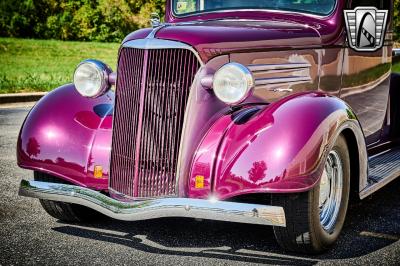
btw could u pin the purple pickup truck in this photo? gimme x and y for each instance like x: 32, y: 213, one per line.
x: 249, y: 111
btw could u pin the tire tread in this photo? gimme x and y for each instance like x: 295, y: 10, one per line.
x: 302, y: 233
x: 67, y: 212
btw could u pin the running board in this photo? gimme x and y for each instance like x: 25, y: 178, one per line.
x: 383, y: 168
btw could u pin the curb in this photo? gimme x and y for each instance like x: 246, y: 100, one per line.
x: 21, y: 97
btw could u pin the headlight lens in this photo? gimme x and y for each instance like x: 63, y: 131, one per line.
x: 91, y: 78
x: 232, y: 83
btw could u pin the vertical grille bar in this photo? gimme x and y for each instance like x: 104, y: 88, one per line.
x: 123, y: 157
x: 152, y: 92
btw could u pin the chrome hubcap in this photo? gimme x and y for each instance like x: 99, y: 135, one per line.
x: 330, y: 191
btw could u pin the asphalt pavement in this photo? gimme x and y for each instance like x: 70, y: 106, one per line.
x: 29, y: 236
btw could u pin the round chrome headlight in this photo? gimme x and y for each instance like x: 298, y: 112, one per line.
x: 232, y: 83
x: 91, y: 78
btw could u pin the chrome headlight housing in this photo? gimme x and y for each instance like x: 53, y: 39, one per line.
x: 91, y: 78
x: 232, y: 83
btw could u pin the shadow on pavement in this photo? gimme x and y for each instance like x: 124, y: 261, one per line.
x: 371, y: 225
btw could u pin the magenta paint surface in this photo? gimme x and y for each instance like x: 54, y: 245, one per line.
x: 279, y: 150
x: 138, y: 34
x: 203, y: 110
x: 217, y: 33
x: 245, y: 31
x: 328, y: 26
x: 63, y: 136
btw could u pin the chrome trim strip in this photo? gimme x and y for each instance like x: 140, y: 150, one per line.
x: 381, y: 183
x: 266, y: 74
x: 155, y: 208
x: 280, y: 80
x: 153, y: 33
x: 151, y: 43
x: 179, y: 164
x: 290, y: 66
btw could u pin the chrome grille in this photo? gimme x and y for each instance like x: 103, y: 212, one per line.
x: 152, y: 92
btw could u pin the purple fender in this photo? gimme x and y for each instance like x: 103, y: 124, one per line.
x: 67, y: 135
x: 279, y: 148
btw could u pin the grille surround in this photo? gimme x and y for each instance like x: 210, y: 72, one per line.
x: 144, y: 168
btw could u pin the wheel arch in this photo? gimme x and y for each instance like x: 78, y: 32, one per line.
x: 66, y: 135
x: 358, y: 165
x: 239, y: 158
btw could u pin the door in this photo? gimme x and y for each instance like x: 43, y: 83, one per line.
x: 366, y: 80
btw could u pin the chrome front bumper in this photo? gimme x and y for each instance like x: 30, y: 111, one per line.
x: 155, y: 208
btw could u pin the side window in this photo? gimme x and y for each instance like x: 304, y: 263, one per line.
x: 380, y: 4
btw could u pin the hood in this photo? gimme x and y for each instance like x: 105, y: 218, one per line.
x: 212, y: 38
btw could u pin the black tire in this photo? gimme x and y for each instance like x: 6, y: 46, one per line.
x: 303, y: 232
x: 67, y: 212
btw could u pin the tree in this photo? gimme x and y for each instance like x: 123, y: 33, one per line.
x: 86, y: 20
x: 90, y: 20
x: 396, y: 20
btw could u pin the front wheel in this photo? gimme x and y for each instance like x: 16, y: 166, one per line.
x: 63, y: 211
x: 314, y: 219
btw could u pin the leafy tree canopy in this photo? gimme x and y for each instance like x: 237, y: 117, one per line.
x: 85, y: 20
x: 89, y: 20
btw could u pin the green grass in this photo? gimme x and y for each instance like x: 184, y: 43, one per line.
x: 42, y: 65
x: 396, y: 68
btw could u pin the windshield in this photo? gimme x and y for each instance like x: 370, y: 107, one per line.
x: 190, y: 7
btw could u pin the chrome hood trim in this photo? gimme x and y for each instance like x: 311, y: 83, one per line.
x: 150, y: 43
x: 155, y: 208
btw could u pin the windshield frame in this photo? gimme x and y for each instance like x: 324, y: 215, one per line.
x: 230, y: 10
